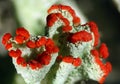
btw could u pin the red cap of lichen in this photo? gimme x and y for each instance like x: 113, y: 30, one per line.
x: 94, y: 29
x: 23, y: 32
x: 74, y: 61
x: 50, y: 46
x: 8, y: 46
x: 83, y: 36
x: 15, y: 53
x: 19, y: 39
x: 31, y: 44
x: 40, y: 42
x: 76, y: 21
x: 66, y: 28
x: 5, y: 38
x: 21, y: 35
x: 21, y: 61
x: 53, y: 17
x: 104, y: 51
x: 35, y: 64
x: 68, y: 59
x: 60, y: 8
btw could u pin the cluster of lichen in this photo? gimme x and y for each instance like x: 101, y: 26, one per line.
x: 69, y: 51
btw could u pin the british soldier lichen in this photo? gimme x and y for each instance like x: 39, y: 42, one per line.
x: 70, y: 46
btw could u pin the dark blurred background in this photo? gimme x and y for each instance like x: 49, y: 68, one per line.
x: 103, y: 12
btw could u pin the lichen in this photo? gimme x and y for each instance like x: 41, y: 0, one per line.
x: 69, y: 52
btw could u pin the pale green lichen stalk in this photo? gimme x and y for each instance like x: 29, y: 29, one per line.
x: 69, y: 52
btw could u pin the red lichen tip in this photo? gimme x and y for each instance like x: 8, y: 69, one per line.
x: 41, y: 41
x: 66, y: 28
x: 70, y: 10
x: 35, y: 64
x: 31, y: 44
x: 80, y: 36
x: 52, y: 49
x: 8, y: 46
x: 19, y: 39
x: 102, y: 80
x: 23, y: 32
x: 76, y: 21
x: 51, y: 19
x: 45, y: 60
x: 94, y: 29
x: 65, y: 21
x: 50, y: 46
x: 53, y: 7
x: 108, y: 67
x: 60, y: 7
x: 68, y: 59
x: 5, y: 38
x: 15, y: 53
x: 76, y: 62
x: 59, y: 15
x: 21, y: 61
x: 103, y: 51
x: 49, y: 42
x: 95, y: 53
